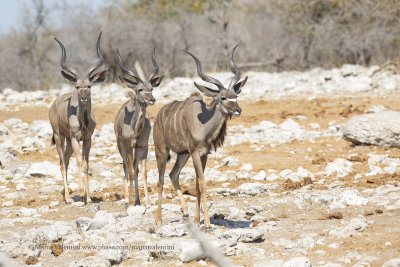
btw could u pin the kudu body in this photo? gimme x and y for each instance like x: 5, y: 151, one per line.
x: 72, y: 119
x: 132, y: 127
x: 193, y: 128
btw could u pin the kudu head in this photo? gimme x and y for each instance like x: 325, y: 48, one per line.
x: 227, y: 97
x: 82, y: 85
x: 143, y: 89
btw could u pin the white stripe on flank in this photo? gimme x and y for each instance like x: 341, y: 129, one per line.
x: 176, y: 111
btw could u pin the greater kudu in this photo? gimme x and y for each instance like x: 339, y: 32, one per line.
x: 72, y: 119
x: 192, y: 128
x: 132, y: 127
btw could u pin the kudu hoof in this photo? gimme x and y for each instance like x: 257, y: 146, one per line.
x: 185, y: 218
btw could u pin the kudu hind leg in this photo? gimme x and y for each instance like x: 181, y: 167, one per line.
x: 174, y: 175
x: 162, y: 157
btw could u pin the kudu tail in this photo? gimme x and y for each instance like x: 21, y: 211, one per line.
x: 53, y: 141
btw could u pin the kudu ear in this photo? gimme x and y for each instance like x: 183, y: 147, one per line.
x: 205, y: 90
x: 155, y: 82
x: 69, y: 77
x: 127, y: 81
x: 99, y: 76
x: 238, y: 86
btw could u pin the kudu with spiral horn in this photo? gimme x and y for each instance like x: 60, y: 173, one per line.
x: 132, y: 126
x: 72, y: 119
x: 192, y: 128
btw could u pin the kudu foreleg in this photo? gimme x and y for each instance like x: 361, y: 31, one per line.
x: 59, y: 141
x: 78, y: 156
x: 144, y: 174
x: 199, y: 165
x: 136, y: 174
x: 130, y: 171
x: 123, y: 153
x: 85, y: 157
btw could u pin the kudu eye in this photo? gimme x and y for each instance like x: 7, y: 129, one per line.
x: 223, y: 98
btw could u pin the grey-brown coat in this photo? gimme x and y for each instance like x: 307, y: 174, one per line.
x: 132, y: 127
x: 72, y: 119
x: 193, y: 128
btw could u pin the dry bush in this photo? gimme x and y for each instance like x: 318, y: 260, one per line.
x: 274, y: 35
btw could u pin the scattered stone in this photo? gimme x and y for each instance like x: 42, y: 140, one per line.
x: 340, y: 166
x: 298, y: 262
x: 56, y: 249
x: 83, y: 223
x: 271, y: 263
x: 94, y: 208
x: 54, y: 204
x: 242, y: 235
x: 6, y: 157
x: 354, y: 226
x: 392, y: 263
x: 190, y: 250
x: 380, y: 128
x: 49, y: 233
x: 31, y: 261
x: 252, y: 189
x: 352, y: 197
x: 3, y: 129
x: 172, y: 230
x: 355, y: 157
x: 43, y: 169
x: 246, y: 167
x: 136, y: 210
x: 114, y: 250
x: 100, y: 219
x: 92, y: 261
x: 26, y: 212
x: 336, y: 215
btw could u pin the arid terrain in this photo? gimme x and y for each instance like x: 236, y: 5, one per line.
x: 285, y: 188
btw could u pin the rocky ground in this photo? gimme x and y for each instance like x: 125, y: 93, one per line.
x: 285, y: 189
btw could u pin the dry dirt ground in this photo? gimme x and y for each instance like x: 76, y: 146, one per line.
x: 293, y: 221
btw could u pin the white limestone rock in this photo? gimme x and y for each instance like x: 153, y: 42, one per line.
x: 252, y: 189
x: 91, y: 261
x: 242, y: 235
x: 340, y: 167
x: 43, y: 169
x: 392, y: 263
x: 380, y: 128
x: 174, y: 229
x: 298, y: 262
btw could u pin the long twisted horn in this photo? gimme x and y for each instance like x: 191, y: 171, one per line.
x: 156, y: 68
x: 203, y: 76
x: 63, y: 59
x: 234, y: 69
x: 98, y: 63
x: 125, y: 70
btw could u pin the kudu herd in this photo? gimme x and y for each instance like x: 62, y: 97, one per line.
x: 189, y: 128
